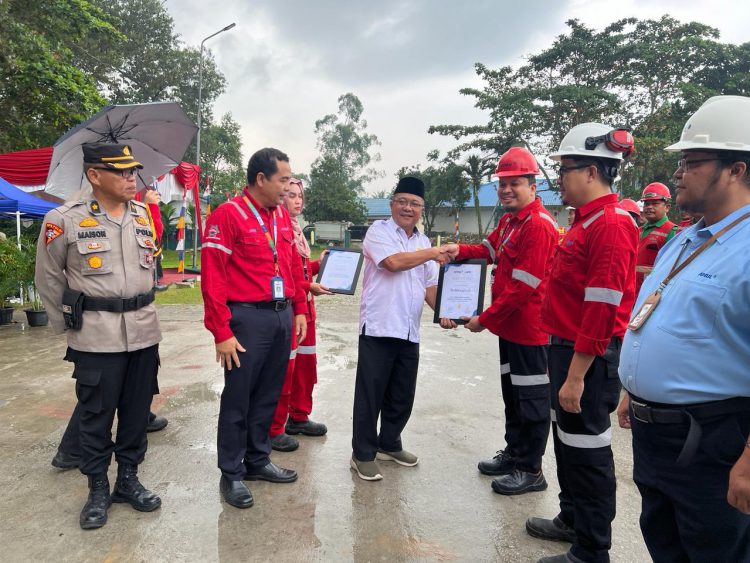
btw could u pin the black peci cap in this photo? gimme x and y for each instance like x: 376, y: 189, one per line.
x: 410, y: 185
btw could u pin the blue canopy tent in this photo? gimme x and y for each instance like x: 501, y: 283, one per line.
x: 14, y: 202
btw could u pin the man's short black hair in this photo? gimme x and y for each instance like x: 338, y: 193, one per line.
x: 265, y: 161
x: 730, y: 157
x: 607, y: 167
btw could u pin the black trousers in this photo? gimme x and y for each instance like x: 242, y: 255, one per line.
x: 109, y: 383
x: 252, y: 390
x: 685, y: 515
x: 71, y: 443
x: 583, y: 447
x: 385, y: 387
x: 525, y: 386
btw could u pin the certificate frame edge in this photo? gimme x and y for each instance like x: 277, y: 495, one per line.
x: 355, y: 281
x: 480, y: 295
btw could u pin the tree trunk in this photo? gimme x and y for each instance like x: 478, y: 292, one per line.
x: 475, y: 188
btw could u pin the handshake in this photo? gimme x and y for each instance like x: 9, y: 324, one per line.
x: 445, y: 254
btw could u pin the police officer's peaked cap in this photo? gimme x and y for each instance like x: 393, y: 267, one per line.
x: 410, y: 185
x: 111, y: 155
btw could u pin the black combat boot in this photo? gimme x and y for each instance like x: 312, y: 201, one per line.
x: 129, y: 489
x: 94, y: 513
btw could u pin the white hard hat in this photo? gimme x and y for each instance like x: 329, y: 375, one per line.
x: 574, y: 143
x: 570, y: 208
x: 721, y: 123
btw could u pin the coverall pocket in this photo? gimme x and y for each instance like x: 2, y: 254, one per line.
x: 534, y: 402
x: 87, y: 388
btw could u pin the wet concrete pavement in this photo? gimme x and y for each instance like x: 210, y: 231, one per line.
x: 441, y: 510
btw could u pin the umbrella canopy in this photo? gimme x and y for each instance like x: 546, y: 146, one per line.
x: 158, y: 133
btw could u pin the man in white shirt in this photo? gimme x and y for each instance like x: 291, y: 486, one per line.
x: 400, y: 275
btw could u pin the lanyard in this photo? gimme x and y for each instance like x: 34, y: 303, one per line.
x: 677, y: 269
x: 271, y: 240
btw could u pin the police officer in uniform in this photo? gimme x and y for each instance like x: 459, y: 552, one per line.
x: 94, y: 272
x: 587, y: 305
x: 253, y: 296
x: 522, y: 247
x: 685, y: 361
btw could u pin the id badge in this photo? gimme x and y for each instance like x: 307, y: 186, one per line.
x: 645, y: 311
x: 277, y: 288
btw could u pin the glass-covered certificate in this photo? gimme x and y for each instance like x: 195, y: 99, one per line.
x: 460, y: 291
x: 340, y: 269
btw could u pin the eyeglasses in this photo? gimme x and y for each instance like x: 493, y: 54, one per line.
x: 125, y: 173
x: 562, y: 170
x: 401, y: 202
x: 685, y: 164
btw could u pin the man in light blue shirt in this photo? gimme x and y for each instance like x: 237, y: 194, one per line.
x: 685, y: 368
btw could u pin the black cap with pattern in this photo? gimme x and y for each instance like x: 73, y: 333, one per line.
x: 111, y: 155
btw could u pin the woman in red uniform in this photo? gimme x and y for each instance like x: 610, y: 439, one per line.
x: 295, y: 403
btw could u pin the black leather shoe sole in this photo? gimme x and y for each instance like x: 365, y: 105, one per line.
x: 270, y: 478
x: 511, y: 491
x: 484, y: 470
x: 63, y: 461
x: 317, y: 430
x: 551, y: 534
x: 139, y: 506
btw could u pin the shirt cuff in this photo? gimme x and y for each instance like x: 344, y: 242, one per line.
x: 591, y: 346
x: 300, y: 308
x: 222, y: 334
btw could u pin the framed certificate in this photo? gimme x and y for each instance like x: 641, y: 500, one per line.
x: 340, y: 269
x: 460, y: 291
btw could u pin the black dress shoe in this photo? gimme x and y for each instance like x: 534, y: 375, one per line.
x: 63, y: 460
x: 272, y: 473
x: 94, y: 513
x: 284, y: 443
x: 129, y: 489
x: 555, y: 529
x: 235, y: 493
x: 156, y: 423
x: 519, y: 482
x: 502, y: 464
x: 306, y: 427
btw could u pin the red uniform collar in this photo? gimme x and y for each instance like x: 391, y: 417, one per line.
x: 254, y: 201
x: 526, y: 211
x: 595, y: 205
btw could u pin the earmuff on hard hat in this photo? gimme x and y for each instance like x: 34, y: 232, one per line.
x: 618, y: 140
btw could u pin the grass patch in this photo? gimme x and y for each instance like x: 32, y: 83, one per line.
x: 171, y: 260
x: 180, y: 295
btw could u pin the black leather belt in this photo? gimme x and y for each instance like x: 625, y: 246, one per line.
x: 557, y: 341
x: 683, y: 414
x: 273, y: 305
x: 118, y: 304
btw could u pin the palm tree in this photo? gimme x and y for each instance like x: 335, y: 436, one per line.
x: 476, y: 168
x: 168, y: 220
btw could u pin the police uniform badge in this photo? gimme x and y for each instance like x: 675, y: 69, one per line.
x: 89, y: 222
x: 141, y: 220
x: 95, y: 208
x: 51, y: 232
x: 94, y: 262
x: 94, y: 245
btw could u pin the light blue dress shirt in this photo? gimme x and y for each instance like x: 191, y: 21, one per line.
x: 695, y: 347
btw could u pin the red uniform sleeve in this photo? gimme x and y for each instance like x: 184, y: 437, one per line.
x: 538, y: 239
x: 156, y: 218
x: 484, y: 251
x: 314, y: 268
x: 611, y: 246
x: 216, y: 252
x: 299, y: 299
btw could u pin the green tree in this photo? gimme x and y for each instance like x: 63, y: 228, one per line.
x: 646, y: 74
x: 476, y: 169
x: 221, y: 156
x: 42, y: 91
x: 340, y: 172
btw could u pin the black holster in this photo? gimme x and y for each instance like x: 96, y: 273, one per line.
x: 72, y: 307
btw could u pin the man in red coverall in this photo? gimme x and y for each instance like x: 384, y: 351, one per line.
x: 251, y: 280
x: 521, y: 246
x: 657, y: 230
x: 587, y: 305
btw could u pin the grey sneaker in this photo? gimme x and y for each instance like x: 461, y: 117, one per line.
x: 403, y: 457
x: 367, y: 470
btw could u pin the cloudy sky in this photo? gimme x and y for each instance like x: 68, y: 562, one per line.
x: 287, y: 61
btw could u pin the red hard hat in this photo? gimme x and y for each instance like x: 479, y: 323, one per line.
x: 630, y: 206
x: 516, y: 162
x: 656, y: 190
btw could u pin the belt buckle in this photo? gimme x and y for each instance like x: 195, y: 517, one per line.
x: 279, y: 305
x: 646, y: 410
